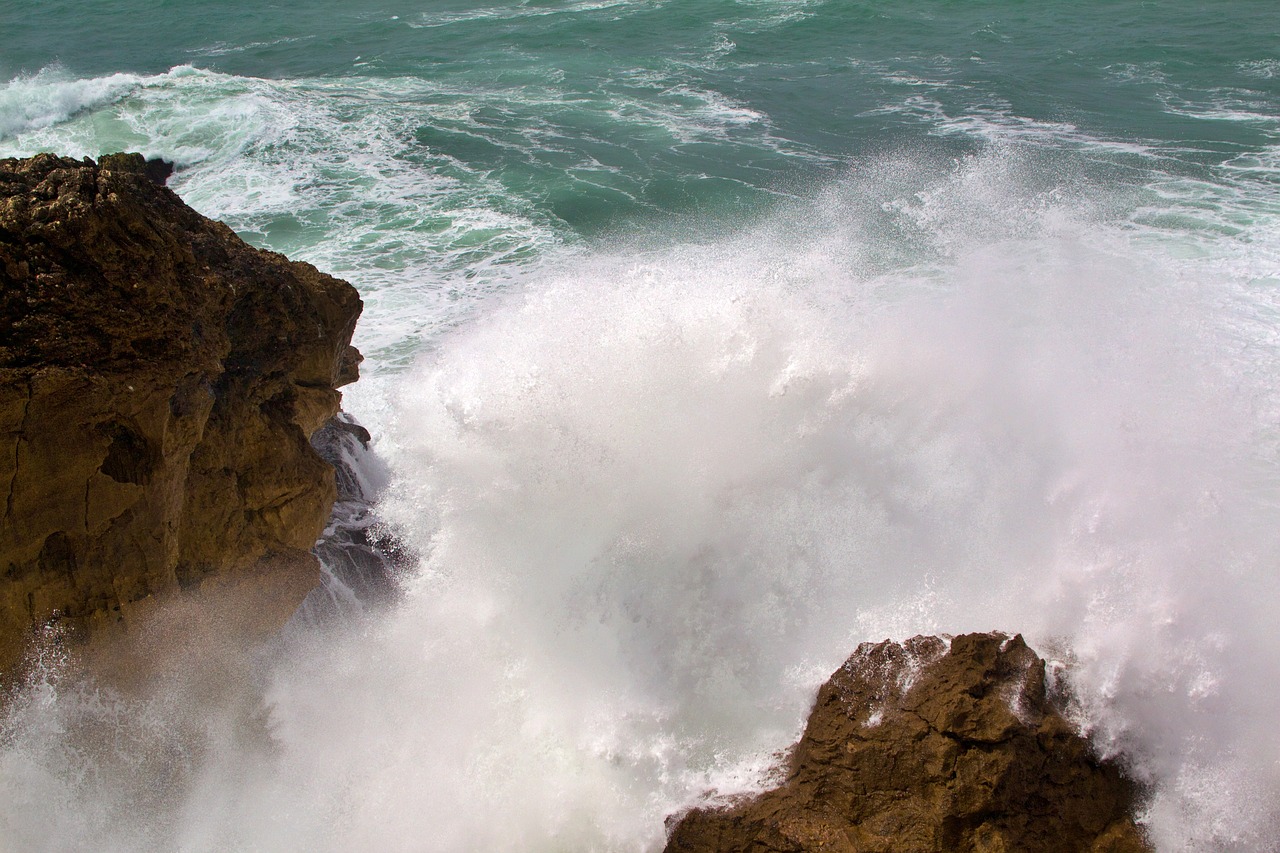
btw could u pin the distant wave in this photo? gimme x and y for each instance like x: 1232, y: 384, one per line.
x: 52, y: 95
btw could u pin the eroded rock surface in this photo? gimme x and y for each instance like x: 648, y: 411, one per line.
x: 924, y: 747
x: 159, y: 381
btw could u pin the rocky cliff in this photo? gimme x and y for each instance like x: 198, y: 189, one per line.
x: 159, y: 380
x: 925, y: 747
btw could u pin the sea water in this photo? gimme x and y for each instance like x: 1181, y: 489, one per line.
x: 706, y: 339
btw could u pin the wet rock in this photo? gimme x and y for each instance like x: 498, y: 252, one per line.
x: 159, y: 170
x: 159, y: 382
x: 929, y: 746
x: 362, y: 557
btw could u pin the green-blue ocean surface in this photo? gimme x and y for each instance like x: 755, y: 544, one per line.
x: 706, y: 339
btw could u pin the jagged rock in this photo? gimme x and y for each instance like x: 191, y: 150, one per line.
x: 159, y: 381
x: 917, y: 747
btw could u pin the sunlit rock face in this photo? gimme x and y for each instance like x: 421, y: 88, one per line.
x: 926, y: 746
x: 159, y: 381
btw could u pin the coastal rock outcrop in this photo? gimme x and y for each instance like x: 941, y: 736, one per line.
x: 159, y: 381
x: 927, y: 746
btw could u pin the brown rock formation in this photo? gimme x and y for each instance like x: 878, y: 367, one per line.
x: 915, y: 747
x: 159, y: 379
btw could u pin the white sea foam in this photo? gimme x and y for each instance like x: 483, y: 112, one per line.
x: 614, y: 9
x: 225, y: 48
x: 52, y: 96
x: 996, y: 123
x: 1264, y: 68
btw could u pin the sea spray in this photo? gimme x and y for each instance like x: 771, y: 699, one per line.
x: 1015, y: 370
x: 659, y: 496
x: 736, y: 483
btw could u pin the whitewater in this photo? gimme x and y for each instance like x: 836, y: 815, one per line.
x: 692, y: 363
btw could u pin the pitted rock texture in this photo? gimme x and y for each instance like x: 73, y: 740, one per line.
x: 925, y: 747
x: 159, y: 381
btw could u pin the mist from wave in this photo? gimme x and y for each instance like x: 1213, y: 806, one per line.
x: 699, y: 359
x: 659, y: 494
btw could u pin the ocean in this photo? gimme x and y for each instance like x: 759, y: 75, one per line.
x: 706, y: 339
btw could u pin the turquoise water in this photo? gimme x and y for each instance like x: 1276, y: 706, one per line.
x: 704, y: 340
x: 391, y: 143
